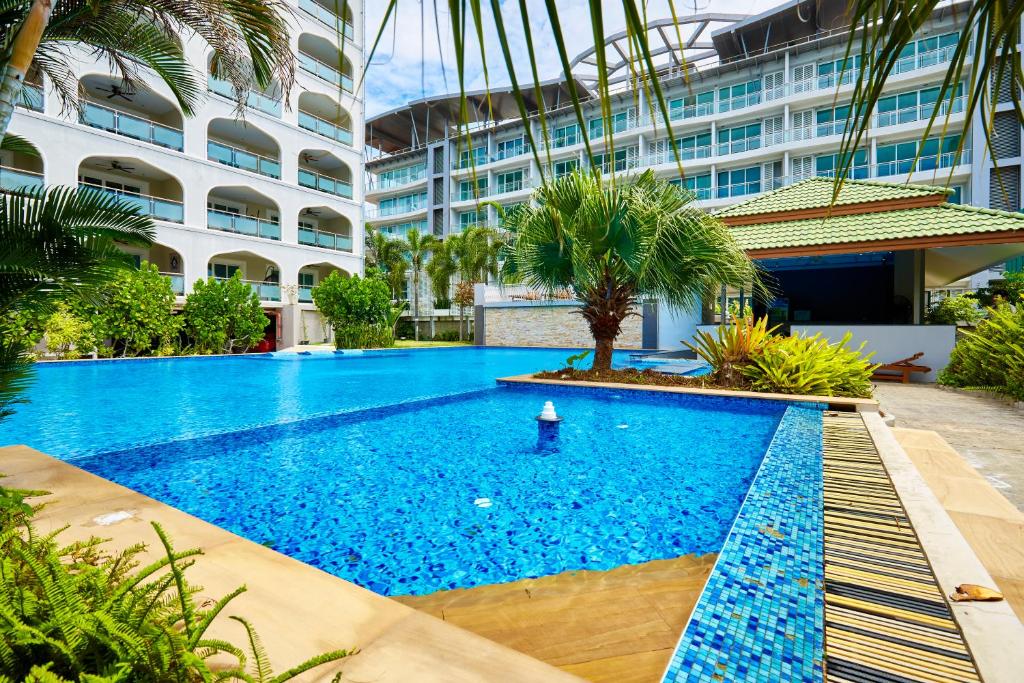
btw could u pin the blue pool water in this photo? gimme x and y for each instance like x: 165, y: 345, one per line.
x: 410, y: 472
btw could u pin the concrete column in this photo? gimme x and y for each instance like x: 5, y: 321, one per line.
x: 908, y: 282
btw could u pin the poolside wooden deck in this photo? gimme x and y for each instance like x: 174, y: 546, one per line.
x: 886, y: 619
x: 620, y: 625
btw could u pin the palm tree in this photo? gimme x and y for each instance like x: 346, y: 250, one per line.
x: 475, y: 251
x: 56, y: 244
x: 614, y: 246
x: 440, y: 269
x: 419, y: 247
x: 387, y: 255
x: 250, y: 39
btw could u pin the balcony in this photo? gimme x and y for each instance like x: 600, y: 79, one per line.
x: 328, y: 18
x: 322, y: 226
x: 398, y: 208
x: 691, y: 111
x: 242, y: 225
x: 925, y: 163
x: 923, y: 60
x: 305, y: 294
x: 324, y: 71
x: 739, y: 102
x: 667, y: 156
x: 317, y: 181
x: 266, y: 291
x: 325, y: 128
x: 16, y: 179
x: 31, y: 97
x: 922, y: 112
x: 254, y: 100
x: 240, y: 158
x: 148, y: 205
x: 395, y: 179
x: 312, y: 237
x: 177, y: 283
x: 514, y: 185
x: 135, y: 127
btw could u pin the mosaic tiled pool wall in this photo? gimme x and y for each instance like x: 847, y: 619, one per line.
x: 761, y: 615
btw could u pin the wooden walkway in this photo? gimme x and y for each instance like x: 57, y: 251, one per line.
x: 886, y: 618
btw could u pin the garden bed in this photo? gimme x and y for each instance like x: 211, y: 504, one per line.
x: 634, y: 376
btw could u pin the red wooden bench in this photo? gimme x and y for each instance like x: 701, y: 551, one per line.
x: 900, y: 370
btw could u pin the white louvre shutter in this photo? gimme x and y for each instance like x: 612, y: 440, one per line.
x: 803, y: 125
x: 803, y: 78
x: 771, y: 131
x: 774, y: 85
x: 803, y: 168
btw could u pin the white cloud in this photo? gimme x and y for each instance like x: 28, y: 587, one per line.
x: 413, y: 57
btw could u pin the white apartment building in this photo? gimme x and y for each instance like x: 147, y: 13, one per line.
x: 275, y: 192
x: 761, y: 102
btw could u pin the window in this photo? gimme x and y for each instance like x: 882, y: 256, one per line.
x: 739, y: 139
x: 307, y: 279
x: 467, y: 187
x: 403, y: 204
x: 701, y: 104
x: 914, y: 106
x: 510, y: 181
x: 620, y: 122
x: 826, y: 164
x: 739, y: 182
x: 470, y: 218
x: 696, y: 146
x: 898, y: 158
x: 473, y: 157
x: 401, y: 229
x: 926, y: 52
x: 838, y: 72
x: 396, y: 177
x: 566, y: 136
x: 513, y: 148
x: 621, y: 160
x: 957, y: 196
x: 221, y: 271
x: 831, y: 121
x: 699, y: 185
x: 739, y: 96
x: 563, y: 168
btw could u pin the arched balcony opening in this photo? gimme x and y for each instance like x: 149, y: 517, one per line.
x: 134, y: 112
x: 169, y: 262
x: 324, y: 116
x: 322, y: 226
x: 321, y: 170
x: 32, y: 93
x: 313, y: 274
x: 320, y: 58
x: 244, y: 211
x: 330, y: 14
x: 242, y: 145
x: 20, y: 170
x: 260, y: 273
x: 155, y: 192
x: 268, y: 100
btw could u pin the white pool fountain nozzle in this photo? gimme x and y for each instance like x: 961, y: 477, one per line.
x: 548, y: 413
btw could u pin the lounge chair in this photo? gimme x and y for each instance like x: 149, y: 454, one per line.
x: 901, y: 368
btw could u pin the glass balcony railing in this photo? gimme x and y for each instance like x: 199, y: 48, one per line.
x: 465, y: 194
x: 510, y: 185
x: 325, y: 72
x: 305, y: 294
x: 157, y: 207
x: 691, y: 111
x: 667, y: 156
x: 31, y: 97
x: 738, y: 189
x: 15, y: 179
x: 242, y: 225
x: 928, y: 163
x: 266, y: 291
x: 239, y: 158
x: 326, y: 240
x: 397, y: 208
x: 122, y: 123
x: 315, y: 181
x: 325, y: 128
x: 177, y: 282
x: 922, y: 112
x: 739, y: 102
x: 923, y: 60
x: 384, y: 182
x: 328, y: 18
x: 254, y: 100
x: 739, y: 146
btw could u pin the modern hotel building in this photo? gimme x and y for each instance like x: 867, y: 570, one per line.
x: 274, y: 192
x: 759, y: 103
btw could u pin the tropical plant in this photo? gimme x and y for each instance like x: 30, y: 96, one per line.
x: 811, y: 366
x: 359, y: 310
x: 1008, y: 289
x: 387, y: 255
x: 56, y: 244
x: 733, y: 347
x: 992, y: 355
x: 78, y: 612
x: 440, y: 269
x: 464, y: 297
x: 571, y: 361
x: 475, y: 253
x: 614, y: 245
x: 953, y: 310
x: 419, y: 250
x: 136, y: 312
x: 68, y: 334
x: 250, y: 40
x: 224, y: 316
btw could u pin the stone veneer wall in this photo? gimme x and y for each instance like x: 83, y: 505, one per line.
x: 549, y: 325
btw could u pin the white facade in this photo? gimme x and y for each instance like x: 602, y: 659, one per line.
x: 256, y: 191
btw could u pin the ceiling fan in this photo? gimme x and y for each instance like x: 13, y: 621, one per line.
x: 310, y: 212
x: 117, y: 91
x: 116, y: 165
x: 310, y: 158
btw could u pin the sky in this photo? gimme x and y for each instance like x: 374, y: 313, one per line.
x: 415, y: 60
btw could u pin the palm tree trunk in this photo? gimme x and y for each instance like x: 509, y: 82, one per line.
x: 462, y: 317
x: 23, y: 49
x: 604, y: 309
x: 416, y: 304
x: 603, y: 353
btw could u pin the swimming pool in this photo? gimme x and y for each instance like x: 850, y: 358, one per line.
x: 408, y: 471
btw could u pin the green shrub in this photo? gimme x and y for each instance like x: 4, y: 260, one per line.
x: 363, y: 336
x: 224, y: 316
x: 811, y: 366
x: 137, y: 311
x: 80, y: 612
x: 955, y: 309
x: 69, y: 335
x: 992, y: 355
x: 732, y: 347
x: 447, y: 336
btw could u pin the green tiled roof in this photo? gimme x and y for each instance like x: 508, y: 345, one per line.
x: 929, y: 221
x: 816, y: 193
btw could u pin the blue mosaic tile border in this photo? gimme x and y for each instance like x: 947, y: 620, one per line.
x: 761, y: 614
